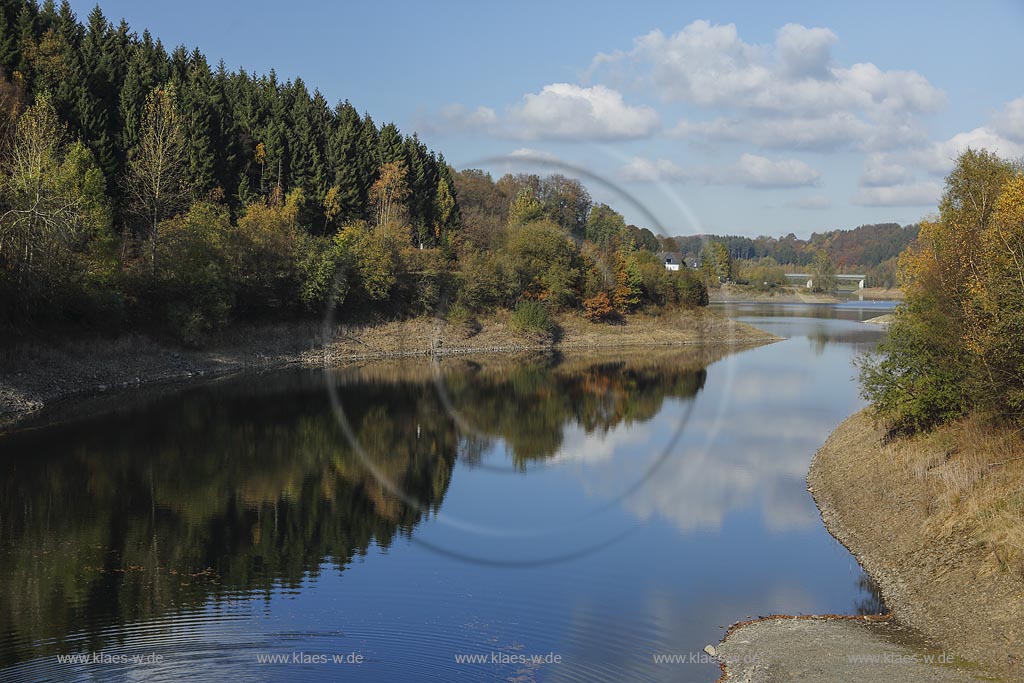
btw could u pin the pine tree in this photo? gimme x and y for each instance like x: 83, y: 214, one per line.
x: 139, y: 81
x: 25, y: 36
x: 10, y: 49
x: 344, y: 159
x: 96, y: 101
x: 199, y: 124
x: 391, y: 146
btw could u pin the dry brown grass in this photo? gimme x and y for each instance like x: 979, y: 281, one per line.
x: 971, y: 482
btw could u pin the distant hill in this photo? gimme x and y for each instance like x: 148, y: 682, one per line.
x: 870, y: 248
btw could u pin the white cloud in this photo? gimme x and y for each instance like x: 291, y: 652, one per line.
x: 710, y: 65
x: 459, y: 117
x: 939, y: 157
x: 1010, y: 121
x: 572, y: 112
x: 761, y: 172
x: 530, y: 154
x: 804, y: 52
x: 912, y: 194
x: 789, y: 94
x: 816, y: 202
x: 650, y: 170
x: 750, y: 170
x: 879, y: 171
x: 835, y: 131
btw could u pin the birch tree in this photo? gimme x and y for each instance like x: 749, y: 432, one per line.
x: 154, y: 183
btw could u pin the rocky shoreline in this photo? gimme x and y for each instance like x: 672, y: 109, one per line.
x: 33, y: 377
x: 945, y: 600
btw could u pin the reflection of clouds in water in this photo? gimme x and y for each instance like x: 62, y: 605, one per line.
x: 597, y: 447
x: 757, y: 457
x: 782, y: 384
x: 668, y: 620
x: 763, y: 465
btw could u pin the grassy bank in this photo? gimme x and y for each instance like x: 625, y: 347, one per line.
x: 938, y: 522
x: 36, y: 375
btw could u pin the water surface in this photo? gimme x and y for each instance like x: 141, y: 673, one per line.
x: 607, y: 510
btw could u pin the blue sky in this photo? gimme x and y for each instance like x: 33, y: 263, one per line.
x: 740, y: 117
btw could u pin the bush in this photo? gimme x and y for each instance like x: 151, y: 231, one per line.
x: 691, y: 291
x: 262, y: 252
x: 533, y: 316
x: 426, y: 279
x: 544, y: 262
x: 323, y: 271
x: 599, y: 309
x: 188, y: 288
x: 461, y: 318
x: 481, y: 281
x: 917, y: 378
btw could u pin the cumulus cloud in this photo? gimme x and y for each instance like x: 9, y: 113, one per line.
x: 879, y: 171
x: 750, y: 170
x: 939, y: 157
x: 910, y: 194
x: 815, y: 202
x: 831, y: 132
x: 1009, y: 123
x: 530, y: 154
x: 757, y: 171
x: 571, y: 112
x: 640, y: 169
x: 710, y: 65
x: 459, y: 117
x: 789, y: 94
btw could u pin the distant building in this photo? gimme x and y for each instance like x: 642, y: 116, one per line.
x: 673, y: 260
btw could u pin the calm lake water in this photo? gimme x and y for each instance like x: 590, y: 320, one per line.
x: 605, y: 511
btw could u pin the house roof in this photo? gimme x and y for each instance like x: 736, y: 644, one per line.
x: 674, y: 255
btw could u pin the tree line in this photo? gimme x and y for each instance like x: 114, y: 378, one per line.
x: 869, y: 249
x: 142, y: 189
x: 957, y: 343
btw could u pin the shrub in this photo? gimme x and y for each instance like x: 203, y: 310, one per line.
x: 599, y: 309
x: 188, y: 289
x: 917, y: 377
x: 690, y: 290
x: 262, y: 253
x: 323, y: 271
x: 533, y: 316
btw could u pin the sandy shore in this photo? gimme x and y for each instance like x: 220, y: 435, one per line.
x: 36, y: 376
x: 946, y: 597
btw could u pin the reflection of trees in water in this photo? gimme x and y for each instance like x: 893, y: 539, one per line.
x: 245, y: 485
x: 528, y: 408
x: 214, y: 492
x: 871, y: 602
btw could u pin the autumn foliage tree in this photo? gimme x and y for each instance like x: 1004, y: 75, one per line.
x: 155, y: 179
x: 956, y: 342
x: 54, y: 210
x: 390, y: 192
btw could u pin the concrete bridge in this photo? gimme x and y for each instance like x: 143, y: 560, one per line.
x: 809, y: 278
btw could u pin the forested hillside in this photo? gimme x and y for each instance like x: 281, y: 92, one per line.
x: 142, y: 189
x: 870, y: 249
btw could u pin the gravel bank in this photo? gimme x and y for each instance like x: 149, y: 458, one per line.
x: 832, y: 651
x: 946, y: 598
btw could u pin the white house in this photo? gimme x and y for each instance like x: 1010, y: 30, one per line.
x: 672, y: 260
